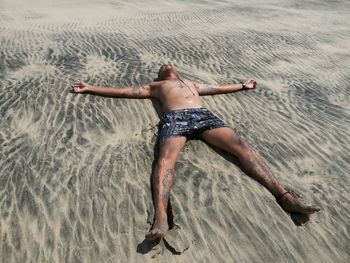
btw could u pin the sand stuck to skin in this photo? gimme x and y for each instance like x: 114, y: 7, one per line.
x: 75, y: 169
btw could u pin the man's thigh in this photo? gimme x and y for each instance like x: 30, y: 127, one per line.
x: 171, y: 147
x: 224, y: 138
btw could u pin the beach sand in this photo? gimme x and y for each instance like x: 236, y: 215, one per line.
x: 75, y: 169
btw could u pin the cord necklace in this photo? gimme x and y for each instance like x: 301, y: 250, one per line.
x: 185, y: 85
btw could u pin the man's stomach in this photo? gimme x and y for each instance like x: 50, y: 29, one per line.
x: 186, y: 103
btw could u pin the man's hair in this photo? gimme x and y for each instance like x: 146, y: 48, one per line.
x: 158, y: 78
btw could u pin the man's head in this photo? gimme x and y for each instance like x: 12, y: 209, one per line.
x: 167, y: 71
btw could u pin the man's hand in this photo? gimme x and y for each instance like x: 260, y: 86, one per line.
x: 250, y: 84
x: 80, y: 87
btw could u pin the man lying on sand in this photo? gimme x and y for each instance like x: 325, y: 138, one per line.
x: 186, y: 118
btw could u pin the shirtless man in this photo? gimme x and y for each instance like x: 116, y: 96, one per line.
x: 186, y: 118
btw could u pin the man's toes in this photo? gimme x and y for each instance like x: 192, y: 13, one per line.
x: 150, y: 236
x: 154, y: 234
x: 291, y: 204
x: 311, y: 209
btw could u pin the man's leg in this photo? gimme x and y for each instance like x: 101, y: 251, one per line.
x: 228, y: 140
x: 162, y: 183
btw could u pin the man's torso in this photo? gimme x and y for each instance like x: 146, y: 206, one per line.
x: 176, y: 94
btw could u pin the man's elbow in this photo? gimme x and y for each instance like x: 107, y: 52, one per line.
x: 206, y: 89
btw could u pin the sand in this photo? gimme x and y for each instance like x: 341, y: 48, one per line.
x: 75, y: 169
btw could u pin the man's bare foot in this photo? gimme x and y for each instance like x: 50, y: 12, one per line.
x: 158, y: 230
x: 291, y: 204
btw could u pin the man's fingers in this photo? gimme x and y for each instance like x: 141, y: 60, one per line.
x: 252, y: 81
x: 77, y: 85
x: 75, y: 88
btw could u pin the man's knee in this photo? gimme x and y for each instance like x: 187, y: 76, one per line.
x: 240, y: 144
x: 166, y: 161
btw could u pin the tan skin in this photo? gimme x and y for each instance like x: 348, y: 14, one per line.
x: 175, y: 94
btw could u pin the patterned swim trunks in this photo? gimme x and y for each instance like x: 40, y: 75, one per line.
x: 188, y: 122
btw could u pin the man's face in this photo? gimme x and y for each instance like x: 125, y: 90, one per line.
x: 165, y: 71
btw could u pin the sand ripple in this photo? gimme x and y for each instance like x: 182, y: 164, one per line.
x: 75, y: 169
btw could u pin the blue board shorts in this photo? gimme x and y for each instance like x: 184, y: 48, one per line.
x: 188, y: 122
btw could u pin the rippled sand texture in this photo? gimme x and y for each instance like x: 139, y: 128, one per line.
x: 75, y: 169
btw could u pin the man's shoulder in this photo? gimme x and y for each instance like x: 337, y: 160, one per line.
x: 157, y: 83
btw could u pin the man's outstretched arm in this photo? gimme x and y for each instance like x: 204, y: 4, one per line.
x: 144, y: 91
x: 207, y: 89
